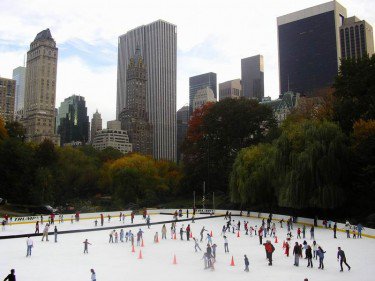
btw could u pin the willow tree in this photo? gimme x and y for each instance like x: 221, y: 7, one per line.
x: 312, y: 159
x: 252, y: 180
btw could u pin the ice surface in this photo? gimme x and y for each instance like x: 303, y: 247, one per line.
x: 65, y: 260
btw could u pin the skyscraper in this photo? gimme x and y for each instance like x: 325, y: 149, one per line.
x: 7, y: 92
x: 72, y: 122
x: 40, y: 94
x: 203, y: 96
x: 96, y: 124
x: 200, y: 82
x: 157, y: 42
x: 182, y: 127
x: 19, y: 74
x: 356, y: 38
x: 309, y: 48
x: 134, y: 117
x: 252, y: 77
x: 230, y: 89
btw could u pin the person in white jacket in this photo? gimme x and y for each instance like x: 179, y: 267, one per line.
x: 347, y: 229
x: 30, y: 244
x: 93, y: 275
x: 45, y: 232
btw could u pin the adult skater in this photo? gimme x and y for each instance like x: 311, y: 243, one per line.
x: 196, y: 245
x: 303, y: 232
x: 139, y: 237
x: 45, y: 232
x: 342, y: 258
x: 182, y: 232
x: 223, y: 230
x: 132, y: 217
x: 37, y: 227
x: 309, y: 256
x: 269, y: 251
x: 312, y: 233
x: 347, y: 229
x: 226, y: 249
x: 101, y: 219
x: 11, y: 276
x: 226, y: 215
x: 55, y: 232
x: 260, y: 234
x: 164, y: 232
x: 360, y: 228
x: 86, y: 246
x: 297, y: 253
x: 287, y: 247
x: 148, y: 219
x: 188, y: 232
x: 29, y: 244
x: 299, y: 233
x: 93, y: 275
x: 122, y: 235
x: 281, y: 223
x: 320, y: 253
x: 201, y: 233
x: 111, y: 236
x: 156, y: 237
x: 246, y: 260
x: 214, y: 246
x: 315, y: 249
x: 334, y: 230
x: 209, y: 238
x: 209, y: 255
x: 187, y: 213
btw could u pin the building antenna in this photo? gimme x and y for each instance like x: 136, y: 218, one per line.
x: 24, y: 60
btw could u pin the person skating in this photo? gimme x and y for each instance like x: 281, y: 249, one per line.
x: 139, y: 237
x: 148, y: 219
x: 226, y: 248
x: 132, y: 217
x: 205, y: 260
x: 96, y: 223
x: 86, y: 244
x: 246, y: 260
x: 209, y: 238
x: 116, y: 236
x: 360, y: 228
x: 269, y: 251
x: 226, y: 215
x: 320, y: 253
x: 312, y: 233
x: 334, y: 230
x: 342, y: 258
x: 303, y: 232
x: 281, y: 223
x: 156, y: 237
x: 182, y: 232
x: 30, y: 245
x: 287, y: 247
x: 299, y: 233
x: 297, y: 254
x: 201, y: 233
x: 347, y: 229
x: 209, y: 254
x: 309, y: 256
x: 260, y: 234
x: 37, y: 227
x: 188, y: 232
x: 187, y: 213
x: 111, y: 236
x: 196, y: 245
x: 122, y: 235
x: 11, y: 276
x: 101, y: 219
x: 55, y: 232
x: 45, y: 232
x: 164, y: 232
x: 93, y: 275
x: 214, y: 246
x: 315, y: 249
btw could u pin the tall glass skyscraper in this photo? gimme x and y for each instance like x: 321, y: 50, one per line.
x: 199, y: 82
x: 72, y: 122
x: 252, y: 77
x: 309, y: 48
x: 19, y: 74
x: 157, y: 42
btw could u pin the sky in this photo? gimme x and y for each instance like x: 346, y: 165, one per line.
x: 212, y: 36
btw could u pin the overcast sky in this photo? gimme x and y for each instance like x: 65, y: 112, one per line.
x: 212, y: 35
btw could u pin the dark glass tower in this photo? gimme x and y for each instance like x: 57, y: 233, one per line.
x: 72, y: 122
x: 200, y: 82
x: 309, y: 48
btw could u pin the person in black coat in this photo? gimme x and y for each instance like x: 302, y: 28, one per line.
x: 11, y: 276
x: 309, y: 256
x: 296, y: 253
x: 341, y: 256
x: 246, y: 263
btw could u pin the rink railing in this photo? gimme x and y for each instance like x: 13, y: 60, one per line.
x: 367, y: 232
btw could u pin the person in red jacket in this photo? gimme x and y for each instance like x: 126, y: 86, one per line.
x: 269, y: 250
x: 299, y: 233
x: 287, y: 249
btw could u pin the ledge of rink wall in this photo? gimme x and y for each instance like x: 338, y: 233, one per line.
x: 367, y: 232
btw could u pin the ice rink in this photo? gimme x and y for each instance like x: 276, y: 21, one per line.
x: 65, y: 260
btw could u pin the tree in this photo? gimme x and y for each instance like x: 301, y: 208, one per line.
x: 213, y: 143
x: 16, y: 130
x: 355, y: 92
x: 3, y: 131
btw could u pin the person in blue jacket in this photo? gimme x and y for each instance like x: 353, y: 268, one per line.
x: 320, y: 253
x: 246, y: 260
x: 360, y: 228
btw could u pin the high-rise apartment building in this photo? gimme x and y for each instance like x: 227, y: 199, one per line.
x: 134, y: 117
x: 203, y: 96
x: 7, y: 92
x: 199, y: 82
x: 96, y: 124
x: 40, y: 93
x: 230, y: 89
x: 157, y: 42
x: 252, y: 77
x: 356, y: 38
x: 19, y: 74
x: 72, y: 122
x: 309, y: 48
x: 182, y: 127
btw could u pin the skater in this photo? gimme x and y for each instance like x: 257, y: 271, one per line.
x: 11, y: 276
x: 196, y: 245
x: 312, y: 233
x: 303, y: 232
x: 182, y: 232
x: 45, y: 232
x: 187, y: 213
x: 320, y: 253
x: 209, y: 239
x: 269, y: 251
x: 163, y: 232
x: 111, y: 236
x: 37, y: 227
x: 226, y: 215
x: 116, y: 237
x: 55, y: 232
x: 347, y: 229
x: 287, y: 247
x: 209, y: 255
x: 334, y: 230
x: 309, y: 256
x: 101, y: 219
x: 139, y: 237
x: 342, y: 258
x: 132, y: 216
x: 246, y: 260
x: 41, y: 219
x: 360, y: 228
x: 29, y: 244
x: 296, y: 253
x: 260, y: 232
x: 96, y: 223
x: 156, y: 237
x: 226, y: 248
x: 315, y: 248
x: 205, y: 260
x: 86, y: 246
x: 148, y: 219
x: 298, y: 233
x: 203, y: 230
x: 122, y: 235
x: 214, y: 246
x: 93, y: 275
x: 188, y: 232
x: 223, y: 230
x: 281, y: 223
x: 109, y: 218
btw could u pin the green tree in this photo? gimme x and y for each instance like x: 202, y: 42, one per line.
x: 16, y: 130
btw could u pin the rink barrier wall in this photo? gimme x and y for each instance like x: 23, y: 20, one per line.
x: 368, y: 232
x: 100, y: 228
